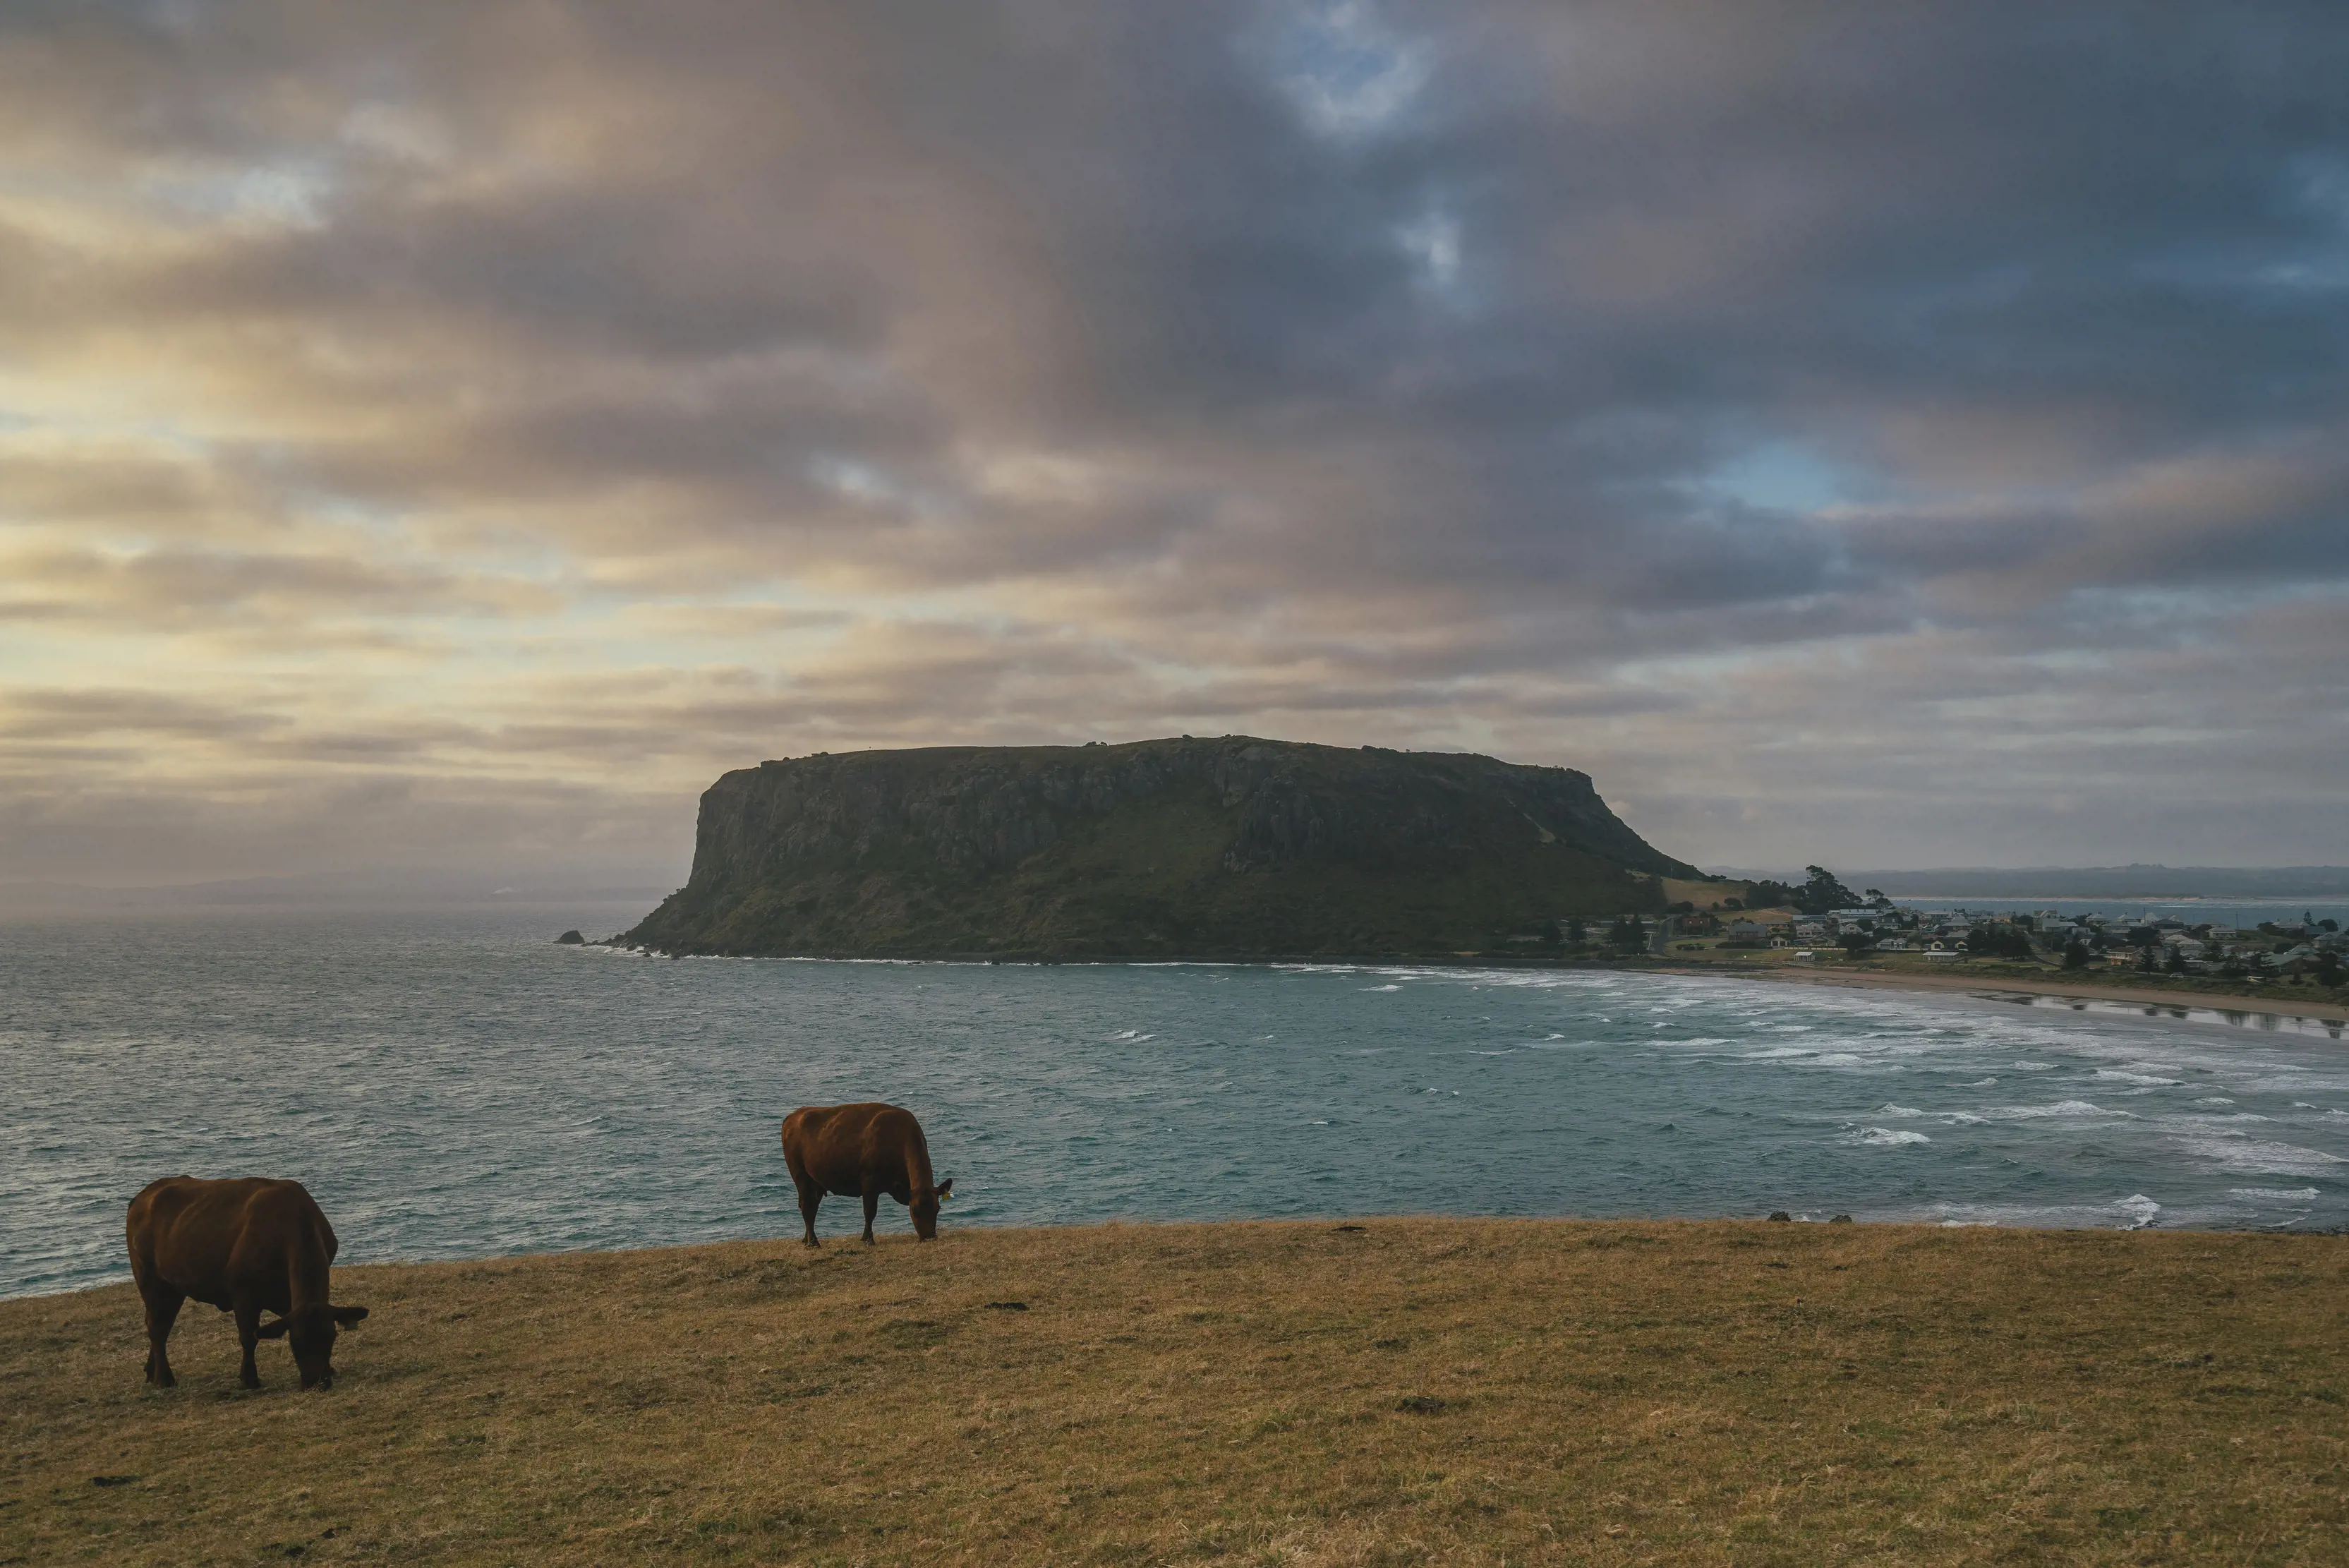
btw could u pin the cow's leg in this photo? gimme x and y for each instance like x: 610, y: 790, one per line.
x: 871, y: 1207
x: 248, y: 1335
x: 162, y: 1304
x: 810, y: 1199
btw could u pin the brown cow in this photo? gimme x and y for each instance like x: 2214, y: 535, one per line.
x: 863, y: 1151
x: 240, y: 1245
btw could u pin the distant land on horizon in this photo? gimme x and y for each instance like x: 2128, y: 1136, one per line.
x: 1229, y: 847
x: 2137, y: 881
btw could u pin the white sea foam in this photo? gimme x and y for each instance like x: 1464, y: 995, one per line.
x: 1889, y: 1110
x: 1849, y: 1062
x: 2035, y: 1066
x: 2120, y: 1076
x: 2275, y: 1194
x: 2134, y: 1212
x: 2260, y: 1157
x: 1885, y: 1137
x: 2214, y: 1100
x: 1381, y: 988
x: 2059, y: 1108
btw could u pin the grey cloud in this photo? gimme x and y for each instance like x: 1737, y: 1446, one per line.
x: 42, y: 715
x: 1199, y: 408
x: 177, y: 584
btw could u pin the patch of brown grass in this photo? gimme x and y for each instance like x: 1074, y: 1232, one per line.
x: 1413, y: 1391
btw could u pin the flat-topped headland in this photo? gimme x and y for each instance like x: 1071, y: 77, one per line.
x: 1224, y: 848
x: 1388, y: 1390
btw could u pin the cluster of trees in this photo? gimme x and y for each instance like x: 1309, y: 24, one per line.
x: 2002, y: 940
x: 1821, y: 891
x: 1628, y: 933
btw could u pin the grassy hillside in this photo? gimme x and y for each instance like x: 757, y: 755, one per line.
x: 1229, y: 848
x: 1406, y: 1392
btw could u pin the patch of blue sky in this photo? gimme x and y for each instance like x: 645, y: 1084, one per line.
x: 1783, y: 476
x: 1432, y: 243
x: 2214, y: 599
x: 1347, y: 74
x: 390, y: 523
x: 70, y: 424
x: 291, y: 194
x: 2312, y: 273
x: 870, y: 485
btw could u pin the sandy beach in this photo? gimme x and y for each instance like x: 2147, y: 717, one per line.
x: 2316, y: 1010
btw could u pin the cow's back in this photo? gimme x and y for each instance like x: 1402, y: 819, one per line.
x: 201, y: 1236
x: 839, y: 1146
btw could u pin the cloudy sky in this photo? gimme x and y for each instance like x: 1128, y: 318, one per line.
x: 449, y: 434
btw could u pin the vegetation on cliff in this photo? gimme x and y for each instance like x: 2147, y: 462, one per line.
x: 1232, y: 847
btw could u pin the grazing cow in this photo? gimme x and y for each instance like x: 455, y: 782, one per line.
x: 240, y: 1245
x: 863, y: 1151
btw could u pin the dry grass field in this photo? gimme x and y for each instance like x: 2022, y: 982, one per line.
x: 1410, y: 1391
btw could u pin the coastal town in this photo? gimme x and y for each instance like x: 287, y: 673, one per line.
x: 1822, y: 924
x: 2304, y: 949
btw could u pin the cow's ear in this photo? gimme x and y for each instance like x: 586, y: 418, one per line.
x: 275, y: 1330
x: 348, y: 1316
x: 945, y: 1189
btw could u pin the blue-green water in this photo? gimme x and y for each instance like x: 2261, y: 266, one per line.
x: 452, y: 1085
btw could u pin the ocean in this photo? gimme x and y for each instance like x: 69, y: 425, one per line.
x: 450, y: 1084
x: 2243, y: 913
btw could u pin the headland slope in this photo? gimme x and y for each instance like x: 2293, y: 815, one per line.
x: 1232, y: 847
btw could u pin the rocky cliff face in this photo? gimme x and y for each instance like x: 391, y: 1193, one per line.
x: 1233, y: 846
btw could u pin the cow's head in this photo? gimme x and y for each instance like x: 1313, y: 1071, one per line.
x: 310, y: 1334
x: 925, y: 1208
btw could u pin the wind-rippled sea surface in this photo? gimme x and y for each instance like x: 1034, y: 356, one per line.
x: 452, y: 1085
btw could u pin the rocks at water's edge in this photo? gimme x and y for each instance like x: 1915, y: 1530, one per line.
x: 571, y: 939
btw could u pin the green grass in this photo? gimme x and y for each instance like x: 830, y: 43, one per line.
x: 1409, y: 1392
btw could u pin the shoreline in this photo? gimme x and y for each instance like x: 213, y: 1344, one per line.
x: 2329, y: 1015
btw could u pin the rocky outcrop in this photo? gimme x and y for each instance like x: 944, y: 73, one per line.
x: 1231, y: 847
